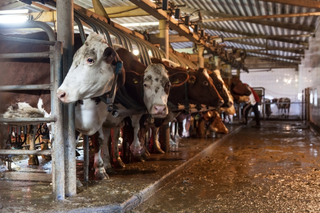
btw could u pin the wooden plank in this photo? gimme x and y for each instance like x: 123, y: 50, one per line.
x: 262, y: 22
x: 277, y: 38
x: 244, y: 18
x: 127, y: 11
x: 300, y: 3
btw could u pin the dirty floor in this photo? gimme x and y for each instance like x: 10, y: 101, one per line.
x: 29, y: 189
x: 272, y: 169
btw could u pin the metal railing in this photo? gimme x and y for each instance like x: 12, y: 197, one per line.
x: 54, y: 54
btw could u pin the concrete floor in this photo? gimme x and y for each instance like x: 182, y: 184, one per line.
x: 271, y: 169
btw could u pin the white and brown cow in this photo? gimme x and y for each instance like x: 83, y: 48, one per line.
x: 91, y: 114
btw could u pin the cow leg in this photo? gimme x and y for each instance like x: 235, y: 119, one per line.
x: 156, y: 143
x: 99, y: 170
x: 106, y: 151
x: 116, y: 149
x: 137, y: 148
x: 33, y: 159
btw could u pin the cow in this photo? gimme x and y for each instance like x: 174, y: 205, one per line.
x: 155, y: 87
x: 92, y: 117
x: 199, y: 89
x: 283, y: 105
x: 211, y: 121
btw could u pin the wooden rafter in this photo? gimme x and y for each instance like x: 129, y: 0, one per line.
x: 262, y: 22
x: 244, y: 18
x: 300, y: 3
x: 292, y: 50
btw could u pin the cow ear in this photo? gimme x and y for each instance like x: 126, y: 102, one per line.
x: 192, y: 79
x: 133, y: 77
x: 109, y: 55
x: 179, y: 78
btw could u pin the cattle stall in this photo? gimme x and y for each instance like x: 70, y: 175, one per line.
x: 197, y: 156
x: 114, y: 37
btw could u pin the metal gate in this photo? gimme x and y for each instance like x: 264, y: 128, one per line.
x: 54, y: 54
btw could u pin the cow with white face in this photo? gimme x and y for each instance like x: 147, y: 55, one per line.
x: 96, y: 62
x: 91, y: 73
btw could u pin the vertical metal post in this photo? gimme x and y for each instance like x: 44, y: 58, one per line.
x: 86, y: 157
x: 58, y: 173
x: 200, y: 56
x: 65, y: 34
x: 164, y: 36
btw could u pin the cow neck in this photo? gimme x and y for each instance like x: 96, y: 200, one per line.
x: 109, y: 97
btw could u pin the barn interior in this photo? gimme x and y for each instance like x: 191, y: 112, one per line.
x: 271, y: 45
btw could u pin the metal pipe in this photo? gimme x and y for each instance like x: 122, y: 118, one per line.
x: 26, y: 87
x: 58, y: 167
x: 26, y: 55
x: 32, y: 24
x: 86, y: 157
x: 26, y: 40
x: 24, y: 152
x: 127, y: 112
x: 65, y: 32
x: 27, y: 120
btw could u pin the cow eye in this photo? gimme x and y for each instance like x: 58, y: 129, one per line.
x: 205, y: 83
x: 145, y: 85
x: 90, y: 61
x: 168, y: 85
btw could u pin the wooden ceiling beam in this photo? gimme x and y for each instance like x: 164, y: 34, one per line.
x: 259, y: 45
x: 296, y: 59
x: 126, y: 11
x: 303, y: 3
x: 244, y: 18
x: 262, y: 22
x: 174, y: 24
x: 253, y: 35
x: 292, y: 50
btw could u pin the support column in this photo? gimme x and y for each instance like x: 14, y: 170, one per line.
x: 164, y: 36
x: 217, y: 62
x: 65, y: 33
x: 200, y: 48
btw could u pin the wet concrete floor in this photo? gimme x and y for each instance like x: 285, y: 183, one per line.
x: 271, y: 169
x: 120, y: 193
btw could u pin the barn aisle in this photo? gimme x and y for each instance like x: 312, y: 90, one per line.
x: 272, y: 169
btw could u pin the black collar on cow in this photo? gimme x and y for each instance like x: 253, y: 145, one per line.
x: 108, y: 98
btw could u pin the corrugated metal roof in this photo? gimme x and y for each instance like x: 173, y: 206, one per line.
x: 231, y: 29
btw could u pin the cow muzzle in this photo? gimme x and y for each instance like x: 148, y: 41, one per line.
x: 62, y: 95
x: 159, y: 110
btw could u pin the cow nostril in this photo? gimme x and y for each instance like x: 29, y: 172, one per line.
x: 62, y: 95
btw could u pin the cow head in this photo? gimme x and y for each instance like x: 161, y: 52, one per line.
x: 228, y: 105
x: 217, y: 125
x: 156, y: 83
x: 239, y: 88
x: 92, y: 71
x: 202, y: 90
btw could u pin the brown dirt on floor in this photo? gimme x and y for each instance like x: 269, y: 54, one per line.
x: 272, y: 169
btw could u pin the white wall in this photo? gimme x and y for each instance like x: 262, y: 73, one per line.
x: 309, y: 75
x: 277, y: 83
